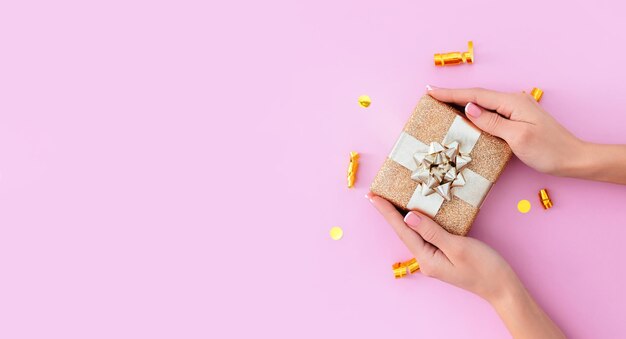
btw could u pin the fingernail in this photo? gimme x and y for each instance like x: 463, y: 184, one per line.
x: 412, y: 219
x: 472, y: 110
x: 369, y: 197
x: 430, y: 88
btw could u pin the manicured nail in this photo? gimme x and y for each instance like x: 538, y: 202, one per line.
x: 430, y: 88
x: 369, y: 196
x: 472, y: 110
x: 412, y: 219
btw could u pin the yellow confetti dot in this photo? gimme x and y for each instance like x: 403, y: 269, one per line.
x: 364, y: 100
x: 523, y: 206
x: 336, y: 233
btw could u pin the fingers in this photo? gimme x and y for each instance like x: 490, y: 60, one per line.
x: 430, y: 231
x: 433, y: 261
x: 492, y: 123
x: 492, y: 100
x: 411, y: 239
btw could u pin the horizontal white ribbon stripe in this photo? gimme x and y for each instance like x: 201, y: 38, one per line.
x: 405, y: 148
x: 473, y: 192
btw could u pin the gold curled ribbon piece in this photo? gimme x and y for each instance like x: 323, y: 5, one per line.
x: 352, y: 167
x: 455, y: 58
x: 536, y: 93
x: 546, y: 202
x: 400, y: 268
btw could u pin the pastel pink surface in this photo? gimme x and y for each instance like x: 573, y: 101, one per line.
x: 172, y: 169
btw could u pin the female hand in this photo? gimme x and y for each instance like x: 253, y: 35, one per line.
x: 464, y: 262
x: 534, y: 136
x: 471, y: 265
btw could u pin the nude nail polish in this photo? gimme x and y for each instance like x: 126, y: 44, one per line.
x: 412, y: 219
x: 472, y: 110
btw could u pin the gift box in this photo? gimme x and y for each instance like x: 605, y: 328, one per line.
x: 441, y: 165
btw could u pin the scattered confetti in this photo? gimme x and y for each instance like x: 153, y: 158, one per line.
x: 352, y: 167
x: 365, y: 101
x: 536, y: 93
x: 399, y: 271
x: 455, y: 58
x: 412, y: 265
x: 546, y: 202
x: 523, y: 206
x: 400, y: 268
x: 336, y: 233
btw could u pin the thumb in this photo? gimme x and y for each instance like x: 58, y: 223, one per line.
x: 430, y: 231
x: 490, y: 122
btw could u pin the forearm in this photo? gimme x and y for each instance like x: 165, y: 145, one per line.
x: 521, y: 314
x: 599, y: 162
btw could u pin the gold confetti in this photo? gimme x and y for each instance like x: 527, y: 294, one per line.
x: 546, y: 202
x: 536, y: 93
x: 523, y: 206
x: 365, y: 101
x: 336, y: 233
x: 455, y: 58
x: 400, y: 268
x: 352, y: 167
x: 412, y: 265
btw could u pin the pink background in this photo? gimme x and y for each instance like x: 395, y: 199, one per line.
x: 171, y: 169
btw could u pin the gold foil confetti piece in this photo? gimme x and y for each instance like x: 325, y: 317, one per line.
x: 365, y: 101
x: 336, y: 233
x: 455, y: 58
x: 352, y: 167
x: 523, y: 206
x: 399, y: 270
x: 412, y: 265
x: 546, y: 202
x: 536, y: 93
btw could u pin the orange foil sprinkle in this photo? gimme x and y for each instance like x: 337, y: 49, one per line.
x: 400, y: 268
x: 412, y: 265
x: 352, y: 167
x: 546, y: 202
x: 536, y: 93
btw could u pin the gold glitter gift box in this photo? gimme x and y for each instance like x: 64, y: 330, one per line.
x: 441, y: 165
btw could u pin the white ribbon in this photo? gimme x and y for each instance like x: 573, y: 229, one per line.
x: 476, y: 187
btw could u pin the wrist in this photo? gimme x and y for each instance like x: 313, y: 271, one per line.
x: 521, y: 314
x: 584, y: 161
x: 580, y: 160
x: 511, y: 291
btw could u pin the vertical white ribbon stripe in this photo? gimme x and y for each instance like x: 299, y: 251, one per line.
x: 428, y: 204
x: 464, y: 133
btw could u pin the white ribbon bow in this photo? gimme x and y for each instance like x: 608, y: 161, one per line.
x: 411, y: 153
x: 439, y: 169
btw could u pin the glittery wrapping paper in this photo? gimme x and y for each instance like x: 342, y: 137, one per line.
x: 430, y: 121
